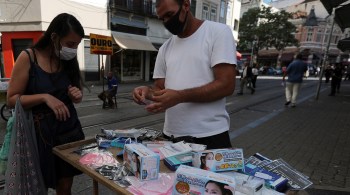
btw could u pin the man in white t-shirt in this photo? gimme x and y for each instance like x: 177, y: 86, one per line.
x: 194, y: 72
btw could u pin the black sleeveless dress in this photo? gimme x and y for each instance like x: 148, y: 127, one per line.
x: 50, y: 131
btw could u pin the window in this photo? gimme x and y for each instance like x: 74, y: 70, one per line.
x: 91, y: 65
x: 205, y: 13
x: 235, y: 27
x: 18, y: 45
x: 309, y: 34
x: 223, y: 9
x: 193, y: 7
x: 213, y: 13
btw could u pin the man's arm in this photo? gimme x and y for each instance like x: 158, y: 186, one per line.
x: 222, y: 86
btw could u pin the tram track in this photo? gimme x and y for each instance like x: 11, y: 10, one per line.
x: 158, y: 121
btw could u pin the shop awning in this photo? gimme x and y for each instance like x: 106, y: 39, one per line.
x: 133, y: 42
x: 287, y: 57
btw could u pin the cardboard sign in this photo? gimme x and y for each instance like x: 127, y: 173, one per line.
x: 100, y: 44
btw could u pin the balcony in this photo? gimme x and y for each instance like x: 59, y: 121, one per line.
x: 142, y: 7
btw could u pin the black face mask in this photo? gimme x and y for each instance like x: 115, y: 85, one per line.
x: 174, y: 25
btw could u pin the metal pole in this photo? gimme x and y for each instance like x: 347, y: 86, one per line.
x: 252, y: 55
x: 103, y: 74
x: 325, y: 58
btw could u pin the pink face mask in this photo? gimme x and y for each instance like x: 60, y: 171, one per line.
x: 162, y: 186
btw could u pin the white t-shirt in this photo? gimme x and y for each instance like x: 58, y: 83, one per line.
x: 187, y: 63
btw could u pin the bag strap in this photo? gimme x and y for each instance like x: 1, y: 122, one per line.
x: 32, y: 68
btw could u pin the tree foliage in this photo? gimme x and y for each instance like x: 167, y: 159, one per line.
x: 266, y: 30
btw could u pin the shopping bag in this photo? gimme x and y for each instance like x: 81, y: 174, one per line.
x: 23, y: 174
x: 6, y: 146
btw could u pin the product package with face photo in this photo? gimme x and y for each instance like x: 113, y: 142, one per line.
x: 219, y: 159
x: 141, y: 161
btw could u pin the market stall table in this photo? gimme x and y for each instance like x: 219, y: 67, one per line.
x: 66, y: 152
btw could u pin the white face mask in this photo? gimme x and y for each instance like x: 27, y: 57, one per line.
x: 210, y: 163
x: 66, y: 53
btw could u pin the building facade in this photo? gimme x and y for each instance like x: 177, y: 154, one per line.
x: 22, y: 23
x: 314, y: 26
x: 138, y: 20
x: 133, y: 24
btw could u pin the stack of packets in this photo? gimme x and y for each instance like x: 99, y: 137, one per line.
x: 278, y: 174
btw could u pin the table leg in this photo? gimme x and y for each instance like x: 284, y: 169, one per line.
x: 95, y: 187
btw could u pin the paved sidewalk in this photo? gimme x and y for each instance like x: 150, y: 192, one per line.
x: 314, y: 138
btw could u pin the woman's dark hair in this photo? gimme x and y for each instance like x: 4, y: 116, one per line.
x: 202, y: 162
x: 62, y: 25
x: 221, y: 186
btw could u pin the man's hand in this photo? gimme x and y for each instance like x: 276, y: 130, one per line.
x: 164, y: 99
x: 142, y: 94
x: 75, y: 94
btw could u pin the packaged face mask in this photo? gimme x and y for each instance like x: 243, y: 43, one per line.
x: 141, y: 161
x: 219, y: 160
x: 190, y: 180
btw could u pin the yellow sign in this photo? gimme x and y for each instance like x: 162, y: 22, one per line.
x: 100, y: 44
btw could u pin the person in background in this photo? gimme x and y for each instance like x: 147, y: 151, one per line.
x: 192, y: 79
x: 255, y: 72
x: 246, y: 79
x: 337, y: 75
x: 112, y: 84
x: 347, y: 73
x: 328, y: 73
x: 295, y: 72
x: 46, y: 79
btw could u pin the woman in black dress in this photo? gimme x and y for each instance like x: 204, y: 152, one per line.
x: 46, y: 78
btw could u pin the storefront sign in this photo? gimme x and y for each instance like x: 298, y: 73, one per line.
x: 100, y: 44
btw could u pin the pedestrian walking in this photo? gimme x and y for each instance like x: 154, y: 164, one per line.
x: 255, y: 72
x: 347, y: 73
x: 337, y: 75
x: 246, y: 79
x: 295, y: 72
x: 328, y: 73
x: 46, y: 79
x: 192, y: 79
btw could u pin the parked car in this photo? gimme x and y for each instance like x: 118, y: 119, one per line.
x: 274, y: 71
x: 312, y: 69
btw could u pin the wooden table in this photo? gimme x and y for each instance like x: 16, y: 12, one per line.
x: 66, y: 153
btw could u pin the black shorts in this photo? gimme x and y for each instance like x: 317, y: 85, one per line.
x: 221, y: 140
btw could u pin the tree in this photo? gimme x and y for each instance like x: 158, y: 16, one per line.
x: 266, y: 30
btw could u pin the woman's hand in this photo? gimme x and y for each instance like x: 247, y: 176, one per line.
x: 75, y: 94
x: 58, y: 107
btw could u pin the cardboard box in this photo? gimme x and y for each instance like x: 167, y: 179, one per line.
x: 246, y: 184
x: 194, y: 181
x: 219, y: 160
x: 174, y: 162
x: 141, y: 161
